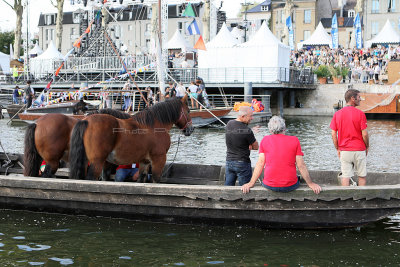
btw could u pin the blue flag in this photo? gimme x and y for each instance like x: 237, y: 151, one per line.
x: 193, y: 28
x: 291, y: 35
x: 357, y: 26
x: 334, y: 33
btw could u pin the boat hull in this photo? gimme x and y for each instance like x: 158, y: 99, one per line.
x: 195, y: 194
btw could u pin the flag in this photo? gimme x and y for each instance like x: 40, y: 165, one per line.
x: 334, y: 33
x: 58, y: 70
x: 357, y: 25
x: 291, y: 35
x: 68, y: 54
x: 189, y: 12
x: 193, y: 28
x: 11, y: 52
x: 200, y: 44
x: 399, y: 23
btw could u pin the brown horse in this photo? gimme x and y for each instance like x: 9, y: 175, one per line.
x: 143, y: 139
x: 48, y: 139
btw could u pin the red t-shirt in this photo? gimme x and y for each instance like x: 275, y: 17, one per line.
x: 349, y: 122
x: 280, y: 159
x: 130, y: 166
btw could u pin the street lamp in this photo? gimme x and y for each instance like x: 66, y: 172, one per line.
x: 246, y: 7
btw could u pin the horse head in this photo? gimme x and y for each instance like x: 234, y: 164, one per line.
x: 185, y: 121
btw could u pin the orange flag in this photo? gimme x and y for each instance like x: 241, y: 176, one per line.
x: 58, y: 70
x: 200, y: 44
x: 77, y: 43
x: 89, y: 28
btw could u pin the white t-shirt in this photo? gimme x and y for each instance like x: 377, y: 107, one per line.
x: 193, y: 88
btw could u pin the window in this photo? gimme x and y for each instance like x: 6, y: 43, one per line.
x: 307, y: 16
x: 352, y: 13
x: 180, y: 26
x: 130, y: 15
x: 130, y: 43
x: 391, y: 5
x: 283, y: 17
x: 130, y: 27
x: 306, y: 35
x: 264, y: 8
x: 121, y: 16
x: 47, y: 34
x: 374, y: 28
x: 375, y: 6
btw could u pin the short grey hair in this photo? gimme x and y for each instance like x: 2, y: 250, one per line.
x: 276, y: 125
x: 244, y: 110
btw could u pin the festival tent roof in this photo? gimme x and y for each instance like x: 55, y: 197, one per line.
x: 224, y: 38
x: 262, y: 37
x: 319, y: 37
x: 5, y: 63
x: 237, y: 33
x: 178, y: 42
x: 386, y: 36
x: 36, y: 50
x: 51, y: 53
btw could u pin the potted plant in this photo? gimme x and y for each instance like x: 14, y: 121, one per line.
x: 344, y: 72
x: 336, y: 74
x: 322, y: 73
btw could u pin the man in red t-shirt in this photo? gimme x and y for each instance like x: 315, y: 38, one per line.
x: 279, y: 155
x: 350, y: 138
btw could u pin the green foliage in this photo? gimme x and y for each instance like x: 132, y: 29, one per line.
x: 338, y: 71
x: 244, y: 8
x: 6, y: 38
x: 345, y: 71
x: 322, y: 71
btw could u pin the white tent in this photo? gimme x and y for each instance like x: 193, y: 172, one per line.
x: 179, y: 42
x: 36, y: 50
x: 237, y: 33
x: 5, y: 63
x: 218, y: 54
x: 47, y: 62
x: 318, y: 37
x: 387, y: 35
x: 262, y: 59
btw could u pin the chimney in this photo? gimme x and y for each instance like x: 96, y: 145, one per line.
x: 340, y: 21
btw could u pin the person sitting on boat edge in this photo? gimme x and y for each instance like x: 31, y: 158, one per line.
x: 350, y: 138
x: 127, y: 173
x: 278, y: 156
x: 240, y: 140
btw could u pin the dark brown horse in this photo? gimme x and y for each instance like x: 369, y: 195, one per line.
x: 143, y: 139
x: 48, y: 139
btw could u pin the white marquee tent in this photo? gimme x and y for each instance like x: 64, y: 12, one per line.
x: 387, y: 35
x: 262, y: 59
x: 237, y: 33
x: 179, y: 42
x: 36, y: 50
x: 318, y: 37
x: 47, y: 62
x: 218, y: 54
x: 5, y: 63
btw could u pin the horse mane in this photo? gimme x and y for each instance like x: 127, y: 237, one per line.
x: 115, y: 113
x: 165, y: 112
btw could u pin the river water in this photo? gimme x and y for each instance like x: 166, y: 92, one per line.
x: 38, y: 239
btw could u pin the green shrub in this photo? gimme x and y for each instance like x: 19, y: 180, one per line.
x: 322, y: 71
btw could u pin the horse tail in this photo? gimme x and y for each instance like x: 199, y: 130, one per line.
x: 77, y: 153
x: 32, y: 159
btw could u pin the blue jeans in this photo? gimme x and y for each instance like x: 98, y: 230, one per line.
x: 237, y: 169
x: 284, y: 189
x: 123, y: 174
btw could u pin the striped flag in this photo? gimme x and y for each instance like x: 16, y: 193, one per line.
x: 193, y: 28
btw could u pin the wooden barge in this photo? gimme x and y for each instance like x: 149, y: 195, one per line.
x: 196, y: 194
x: 380, y: 105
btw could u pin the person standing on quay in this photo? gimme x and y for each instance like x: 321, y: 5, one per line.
x: 28, y: 94
x: 350, y: 138
x: 240, y: 140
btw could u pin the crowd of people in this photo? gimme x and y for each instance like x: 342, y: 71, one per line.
x: 364, y: 64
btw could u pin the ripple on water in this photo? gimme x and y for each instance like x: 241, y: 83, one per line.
x: 35, y: 263
x: 62, y: 261
x: 33, y: 247
x: 19, y: 237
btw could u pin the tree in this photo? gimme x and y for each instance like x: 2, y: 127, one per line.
x: 246, y: 6
x: 19, y: 10
x: 59, y: 24
x: 6, y: 38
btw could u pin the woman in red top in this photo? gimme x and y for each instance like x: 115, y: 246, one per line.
x: 279, y: 155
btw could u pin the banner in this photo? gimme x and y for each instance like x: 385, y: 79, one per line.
x: 291, y: 35
x: 193, y: 28
x: 334, y: 33
x: 357, y: 26
x: 189, y: 12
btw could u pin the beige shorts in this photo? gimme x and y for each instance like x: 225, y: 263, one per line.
x: 353, y: 162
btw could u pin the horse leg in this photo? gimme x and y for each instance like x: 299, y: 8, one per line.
x: 107, y: 170
x: 94, y: 171
x: 157, y: 166
x: 50, y: 169
x: 143, y: 172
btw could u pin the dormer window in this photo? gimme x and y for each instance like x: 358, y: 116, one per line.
x: 352, y: 13
x: 264, y: 8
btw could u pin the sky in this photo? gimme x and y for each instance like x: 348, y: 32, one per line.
x: 7, y: 18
